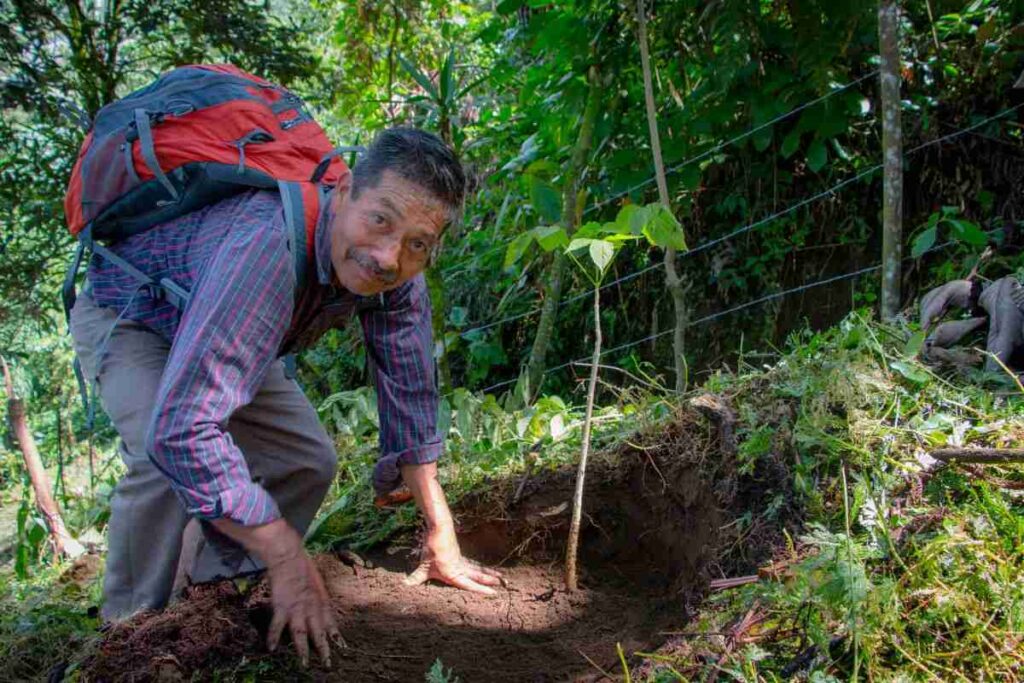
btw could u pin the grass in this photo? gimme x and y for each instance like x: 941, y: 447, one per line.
x: 888, y: 573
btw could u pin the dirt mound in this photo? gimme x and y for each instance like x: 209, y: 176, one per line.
x: 656, y: 518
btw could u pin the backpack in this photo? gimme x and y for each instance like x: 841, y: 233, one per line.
x: 196, y: 135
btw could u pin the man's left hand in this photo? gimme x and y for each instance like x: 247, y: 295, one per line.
x: 443, y: 561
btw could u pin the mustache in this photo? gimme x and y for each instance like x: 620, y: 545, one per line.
x: 386, y: 275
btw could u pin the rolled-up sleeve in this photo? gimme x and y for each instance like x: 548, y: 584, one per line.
x: 399, y: 344
x: 229, y: 336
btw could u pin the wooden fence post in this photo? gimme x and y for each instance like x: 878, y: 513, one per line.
x: 892, y: 158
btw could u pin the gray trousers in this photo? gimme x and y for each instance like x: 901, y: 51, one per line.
x: 286, y: 448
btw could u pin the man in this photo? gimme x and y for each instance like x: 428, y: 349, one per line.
x: 210, y: 426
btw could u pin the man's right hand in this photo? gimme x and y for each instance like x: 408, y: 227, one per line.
x: 297, y: 591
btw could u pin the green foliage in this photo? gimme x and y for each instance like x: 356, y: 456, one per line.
x: 438, y: 674
x: 31, y: 538
x: 880, y: 580
x: 505, y: 83
x: 959, y: 230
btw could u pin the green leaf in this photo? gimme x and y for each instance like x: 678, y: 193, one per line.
x: 550, y: 237
x: 969, y: 232
x: 911, y: 371
x: 790, y: 144
x: 36, y: 533
x: 528, y: 151
x: 690, y: 177
x: 545, y: 168
x: 509, y: 6
x: 840, y: 150
x: 516, y: 249
x: 762, y: 139
x: 419, y: 77
x: 545, y: 199
x: 591, y: 229
x: 663, y: 230
x: 579, y: 243
x: 914, y: 344
x: 923, y: 242
x: 631, y: 219
x: 447, y: 80
x: 601, y: 252
x: 817, y: 156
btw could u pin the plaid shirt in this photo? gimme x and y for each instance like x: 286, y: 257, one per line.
x: 233, y: 257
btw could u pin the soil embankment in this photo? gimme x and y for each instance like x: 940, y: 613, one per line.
x: 656, y: 531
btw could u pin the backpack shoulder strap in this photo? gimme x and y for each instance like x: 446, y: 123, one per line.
x: 295, y: 212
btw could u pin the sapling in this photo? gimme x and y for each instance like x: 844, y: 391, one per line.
x: 592, y: 250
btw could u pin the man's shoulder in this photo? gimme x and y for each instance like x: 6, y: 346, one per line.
x: 253, y: 206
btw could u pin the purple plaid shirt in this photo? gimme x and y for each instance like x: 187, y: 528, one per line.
x: 233, y: 257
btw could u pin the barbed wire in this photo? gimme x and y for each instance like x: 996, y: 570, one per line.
x: 719, y: 147
x: 692, y: 160
x: 721, y: 314
x: 756, y: 224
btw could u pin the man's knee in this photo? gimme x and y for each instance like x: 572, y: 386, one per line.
x: 324, y: 464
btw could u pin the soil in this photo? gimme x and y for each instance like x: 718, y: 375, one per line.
x: 656, y: 530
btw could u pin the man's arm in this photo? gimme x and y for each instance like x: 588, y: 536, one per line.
x: 399, y: 342
x: 240, y: 309
x: 442, y: 559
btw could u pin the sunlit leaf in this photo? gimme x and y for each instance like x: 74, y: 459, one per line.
x: 447, y: 79
x: 601, y: 253
x: 419, y: 77
x: 579, y: 243
x: 591, y: 229
x: 663, y: 230
x: 550, y: 237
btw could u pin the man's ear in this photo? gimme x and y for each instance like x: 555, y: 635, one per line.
x: 341, y: 189
x: 344, y: 181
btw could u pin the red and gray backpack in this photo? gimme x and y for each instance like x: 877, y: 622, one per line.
x: 194, y: 136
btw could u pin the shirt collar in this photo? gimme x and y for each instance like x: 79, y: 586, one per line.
x: 322, y: 240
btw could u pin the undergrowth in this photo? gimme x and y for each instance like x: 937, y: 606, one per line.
x: 899, y: 573
x: 888, y: 573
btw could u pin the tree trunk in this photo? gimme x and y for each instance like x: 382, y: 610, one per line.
x: 676, y: 285
x: 892, y: 158
x: 570, y: 218
x: 435, y: 287
x: 581, y: 471
x: 63, y: 543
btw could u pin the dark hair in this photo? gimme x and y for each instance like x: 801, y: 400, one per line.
x: 419, y: 157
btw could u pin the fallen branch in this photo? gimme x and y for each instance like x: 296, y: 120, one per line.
x: 990, y: 456
x: 722, y: 584
x: 64, y: 544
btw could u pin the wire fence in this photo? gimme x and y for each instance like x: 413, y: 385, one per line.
x: 721, y: 314
x: 687, y: 162
x: 758, y: 223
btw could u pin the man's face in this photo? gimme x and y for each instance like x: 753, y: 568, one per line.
x: 385, y: 237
